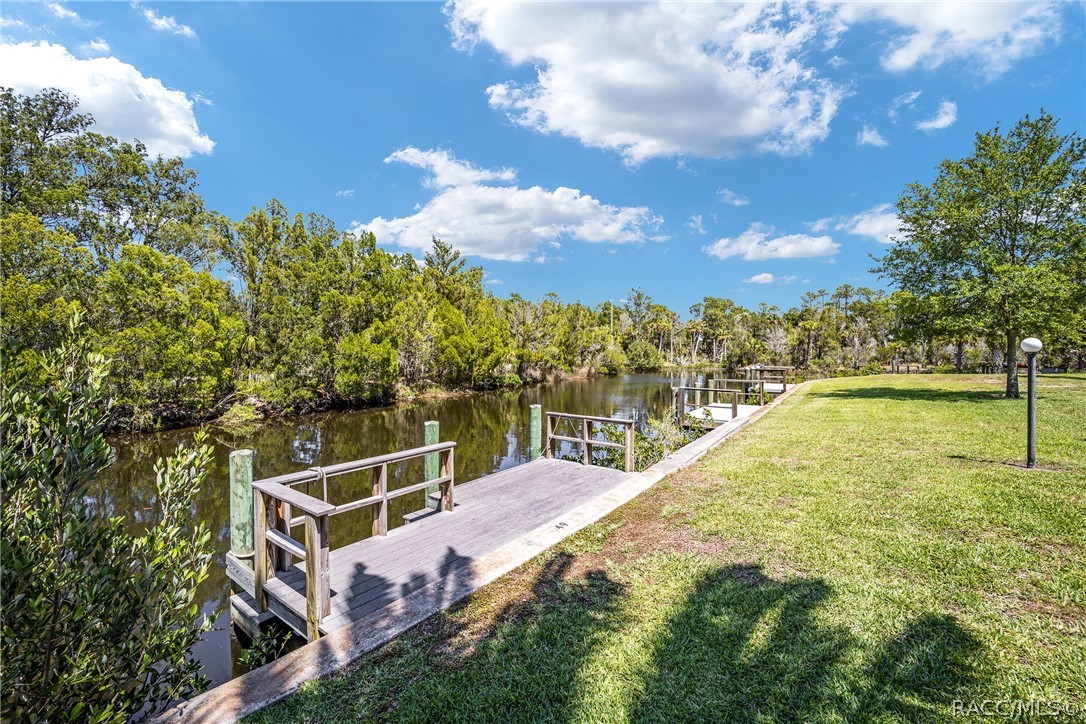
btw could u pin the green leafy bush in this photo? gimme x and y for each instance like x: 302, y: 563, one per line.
x: 98, y: 623
x: 643, y: 356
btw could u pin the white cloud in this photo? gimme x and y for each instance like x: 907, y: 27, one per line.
x: 98, y: 45
x: 695, y: 224
x: 756, y: 244
x: 727, y: 196
x: 503, y: 222
x: 446, y: 171
x: 165, y: 23
x: 657, y: 80
x: 763, y: 278
x: 202, y: 99
x: 837, y: 62
x: 62, y: 12
x: 495, y: 282
x: 789, y: 279
x: 11, y: 22
x: 879, y: 223
x: 991, y: 35
x: 870, y: 136
x: 944, y: 117
x: 124, y: 102
x: 345, y: 193
x: 903, y: 100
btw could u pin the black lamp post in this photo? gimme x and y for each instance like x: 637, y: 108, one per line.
x: 1031, y: 346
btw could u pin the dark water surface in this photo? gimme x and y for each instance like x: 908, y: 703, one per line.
x: 490, y: 429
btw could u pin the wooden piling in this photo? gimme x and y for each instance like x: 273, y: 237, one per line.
x: 431, y: 436
x: 241, y: 503
x: 535, y: 432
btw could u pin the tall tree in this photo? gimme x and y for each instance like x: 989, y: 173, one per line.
x: 1000, y: 235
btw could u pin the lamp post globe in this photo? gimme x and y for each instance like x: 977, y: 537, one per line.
x: 1031, y: 346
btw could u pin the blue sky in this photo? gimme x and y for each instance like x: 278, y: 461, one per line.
x: 750, y: 151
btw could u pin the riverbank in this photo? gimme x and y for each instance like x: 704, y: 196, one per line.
x: 242, y: 412
x: 876, y: 552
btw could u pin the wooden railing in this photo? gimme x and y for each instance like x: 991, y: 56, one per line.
x: 760, y: 384
x: 588, y: 430
x: 275, y: 499
x: 712, y: 393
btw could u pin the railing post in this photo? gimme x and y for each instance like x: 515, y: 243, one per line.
x: 548, y: 450
x: 735, y: 405
x: 380, y: 509
x: 260, y: 552
x: 535, y: 431
x: 761, y: 393
x: 447, y: 468
x: 265, y: 554
x: 431, y: 436
x: 680, y: 405
x: 587, y: 432
x: 241, y: 503
x: 629, y: 447
x: 282, y: 524
x: 317, y: 594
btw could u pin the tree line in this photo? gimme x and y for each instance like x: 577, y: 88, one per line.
x: 199, y: 312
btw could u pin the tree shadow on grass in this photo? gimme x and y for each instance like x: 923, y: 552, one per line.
x: 907, y: 394
x: 745, y: 647
x: 741, y: 646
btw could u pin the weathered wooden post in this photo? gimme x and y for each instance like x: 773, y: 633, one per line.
x: 241, y: 503
x: 535, y: 432
x: 431, y: 436
x: 629, y: 442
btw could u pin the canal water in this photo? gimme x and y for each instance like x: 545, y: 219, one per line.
x: 490, y: 429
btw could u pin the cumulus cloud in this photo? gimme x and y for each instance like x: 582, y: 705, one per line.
x: 657, y: 80
x: 345, y: 193
x: 165, y: 23
x: 879, y: 223
x: 652, y: 80
x: 758, y: 243
x: 695, y: 224
x: 905, y: 100
x: 727, y: 196
x: 98, y: 45
x: 870, y: 136
x: 124, y: 102
x: 991, y: 35
x: 763, y: 278
x: 446, y: 171
x: 944, y: 117
x: 503, y: 222
x: 62, y: 12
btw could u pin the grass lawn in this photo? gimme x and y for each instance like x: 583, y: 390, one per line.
x: 866, y: 551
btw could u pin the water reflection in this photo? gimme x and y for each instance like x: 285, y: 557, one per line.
x: 491, y: 431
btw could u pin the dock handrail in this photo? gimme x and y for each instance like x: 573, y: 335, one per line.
x: 586, y: 439
x: 759, y: 383
x: 680, y: 399
x: 275, y: 498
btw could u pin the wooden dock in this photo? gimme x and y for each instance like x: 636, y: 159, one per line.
x: 326, y: 590
x: 367, y: 575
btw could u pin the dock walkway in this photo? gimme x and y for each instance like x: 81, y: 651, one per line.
x: 368, y: 575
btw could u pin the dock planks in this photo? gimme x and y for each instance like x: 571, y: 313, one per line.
x: 368, y: 575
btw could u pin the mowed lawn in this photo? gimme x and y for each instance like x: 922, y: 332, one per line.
x: 870, y: 550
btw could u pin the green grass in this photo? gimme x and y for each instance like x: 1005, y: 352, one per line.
x: 868, y: 551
